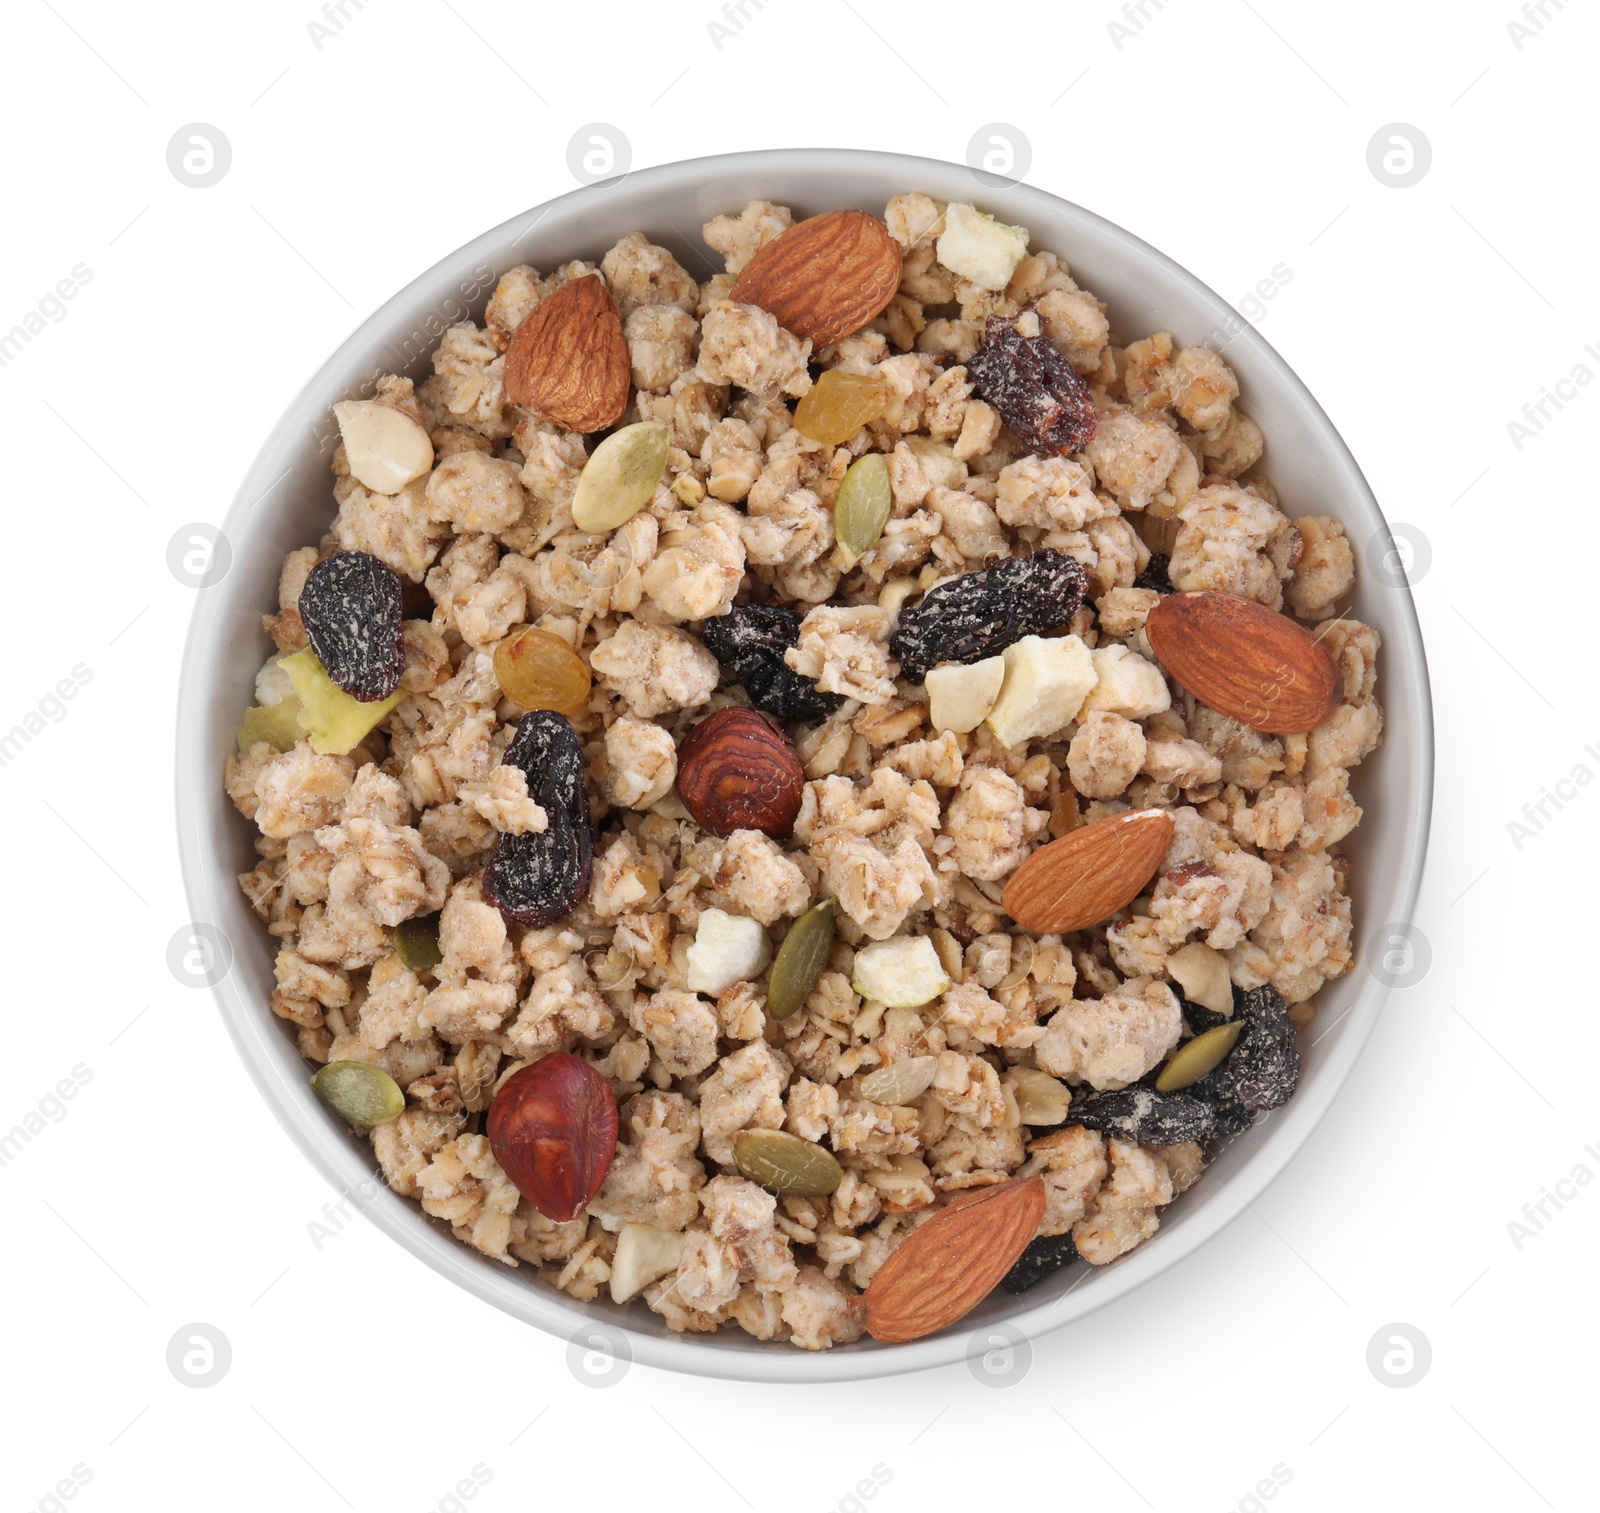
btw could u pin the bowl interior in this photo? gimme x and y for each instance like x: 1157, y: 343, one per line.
x: 286, y: 502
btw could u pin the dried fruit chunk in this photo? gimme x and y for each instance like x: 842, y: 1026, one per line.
x: 1154, y: 576
x: 538, y: 670
x: 384, y: 448
x: 801, y: 959
x: 1263, y: 1069
x: 1089, y: 873
x: 277, y: 724
x: 1194, y: 1058
x: 944, y: 1268
x: 535, y: 879
x: 359, y: 1092
x: 838, y: 405
x: 960, y: 696
x: 1043, y: 1258
x: 980, y: 614
x: 784, y: 1163
x: 825, y: 277
x: 352, y: 608
x: 568, y: 361
x: 727, y: 948
x: 738, y: 771
x: 553, y: 1129
x: 980, y: 248
x: 903, y: 973
x: 1045, y: 685
x: 862, y: 509
x: 619, y: 477
x: 1022, y: 373
x: 749, y: 641
x: 416, y: 942
x: 335, y: 722
x: 1146, y: 1117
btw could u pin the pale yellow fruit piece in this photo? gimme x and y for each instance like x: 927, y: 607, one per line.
x: 939, y: 463
x: 278, y: 724
x: 1127, y: 684
x: 1045, y: 685
x: 336, y: 722
x: 902, y: 973
x: 384, y: 447
x: 959, y: 697
x: 728, y: 948
x: 1202, y: 973
x: 620, y: 476
x: 979, y: 247
x: 644, y: 1253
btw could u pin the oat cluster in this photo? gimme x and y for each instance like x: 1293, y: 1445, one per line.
x: 911, y: 829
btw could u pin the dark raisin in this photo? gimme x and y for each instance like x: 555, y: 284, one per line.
x: 1043, y: 1258
x: 749, y: 641
x: 980, y: 614
x: 1143, y: 1115
x: 351, y: 606
x: 1263, y: 1068
x: 536, y: 879
x: 1033, y: 387
x: 1155, y: 574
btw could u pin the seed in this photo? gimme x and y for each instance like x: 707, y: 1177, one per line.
x: 1192, y: 1060
x: 416, y: 942
x: 359, y: 1092
x: 620, y: 476
x: 539, y: 670
x: 900, y: 1083
x: 862, y: 508
x: 784, y: 1163
x: 838, y: 405
x: 800, y: 960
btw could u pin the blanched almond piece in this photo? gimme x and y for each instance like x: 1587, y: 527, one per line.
x: 1202, y: 973
x: 385, y: 448
x: 643, y: 1254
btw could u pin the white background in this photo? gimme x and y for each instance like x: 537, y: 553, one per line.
x: 1233, y: 136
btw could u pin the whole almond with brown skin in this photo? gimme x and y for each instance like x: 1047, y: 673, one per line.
x: 568, y: 360
x: 1089, y: 873
x: 1245, y: 661
x: 943, y: 1269
x: 553, y: 1129
x: 738, y: 771
x: 824, y: 278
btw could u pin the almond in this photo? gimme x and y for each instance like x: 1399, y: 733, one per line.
x: 946, y: 1267
x: 824, y: 278
x: 568, y: 360
x: 1245, y: 661
x: 1088, y: 874
x: 553, y: 1129
x: 738, y: 771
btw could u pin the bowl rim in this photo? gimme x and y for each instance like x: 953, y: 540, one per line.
x: 554, y: 1312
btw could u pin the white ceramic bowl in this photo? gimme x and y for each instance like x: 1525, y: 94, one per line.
x: 285, y: 501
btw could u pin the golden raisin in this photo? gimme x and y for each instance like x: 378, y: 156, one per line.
x: 540, y: 671
x: 838, y: 405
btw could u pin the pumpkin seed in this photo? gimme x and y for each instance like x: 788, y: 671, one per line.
x: 416, y: 942
x: 862, y: 509
x: 359, y: 1092
x: 899, y: 1083
x: 620, y: 476
x: 784, y: 1163
x: 800, y: 960
x: 1194, y: 1058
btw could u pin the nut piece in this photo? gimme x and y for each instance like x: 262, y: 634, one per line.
x: 619, y: 478
x: 980, y: 248
x: 385, y: 448
x: 1245, y: 661
x: 553, y: 1129
x: 1194, y: 1058
x: 643, y: 1254
x: 824, y: 278
x: 784, y: 1163
x: 1089, y: 873
x: 359, y: 1092
x: 1202, y: 973
x: 1045, y: 685
x: 568, y: 361
x: 946, y: 1267
x: 728, y: 948
x: 900, y: 1082
x: 902, y: 973
x: 959, y: 697
x: 738, y: 771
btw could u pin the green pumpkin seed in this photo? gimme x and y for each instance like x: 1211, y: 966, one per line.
x: 416, y: 942
x: 784, y: 1163
x: 359, y: 1092
x: 862, y: 509
x: 800, y: 960
x: 620, y: 476
x: 1192, y: 1060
